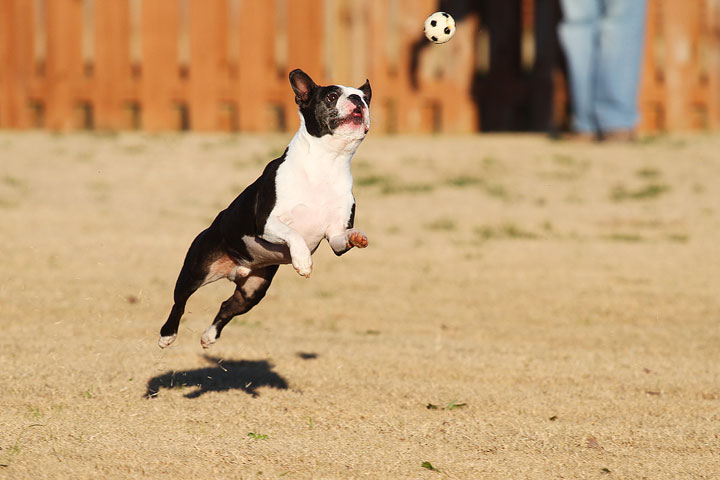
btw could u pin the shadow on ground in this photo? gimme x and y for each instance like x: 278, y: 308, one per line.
x: 224, y: 375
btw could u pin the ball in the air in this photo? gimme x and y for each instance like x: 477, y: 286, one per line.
x: 439, y: 27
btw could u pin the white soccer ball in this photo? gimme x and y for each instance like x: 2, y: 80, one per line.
x: 439, y: 27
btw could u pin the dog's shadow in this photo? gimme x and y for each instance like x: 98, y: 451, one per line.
x: 222, y: 376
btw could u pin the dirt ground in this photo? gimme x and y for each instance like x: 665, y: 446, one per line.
x: 526, y: 309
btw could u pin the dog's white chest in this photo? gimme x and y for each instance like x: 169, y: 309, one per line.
x: 311, y: 198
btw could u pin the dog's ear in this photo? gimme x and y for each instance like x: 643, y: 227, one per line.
x: 367, y: 91
x: 302, y: 85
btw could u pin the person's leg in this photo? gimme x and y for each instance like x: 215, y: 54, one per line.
x: 619, y: 61
x: 578, y: 36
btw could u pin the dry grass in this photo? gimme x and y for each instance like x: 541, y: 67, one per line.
x: 569, y: 304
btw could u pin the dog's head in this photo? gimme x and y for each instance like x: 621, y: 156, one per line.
x: 332, y: 110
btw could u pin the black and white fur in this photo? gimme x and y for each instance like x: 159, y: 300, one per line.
x: 300, y: 199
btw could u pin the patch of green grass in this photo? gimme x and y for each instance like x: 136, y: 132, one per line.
x: 398, y: 188
x: 372, y: 180
x: 664, y: 139
x: 489, y: 162
x: 648, y: 172
x: 512, y: 231
x: 441, y: 224
x: 625, y: 237
x: 257, y: 436
x: 485, y: 232
x: 455, y: 404
x: 463, y: 181
x: 565, y: 160
x: 410, y: 160
x: 390, y: 186
x: 450, y: 406
x: 507, y: 230
x: 650, y: 139
x: 207, y: 146
x: 497, y: 191
x: 429, y: 466
x: 648, y: 192
x: 13, y: 182
x: 134, y: 149
x: 14, y: 449
x: 678, y: 238
x: 571, y: 168
x: 34, y: 412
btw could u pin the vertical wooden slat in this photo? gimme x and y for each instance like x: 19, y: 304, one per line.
x: 16, y: 62
x: 208, y: 45
x: 677, y: 63
x: 305, y: 31
x: 379, y: 15
x: 305, y: 48
x: 159, y: 63
x: 256, y: 75
x: 112, y: 62
x: 651, y: 81
x: 713, y: 52
x: 64, y: 64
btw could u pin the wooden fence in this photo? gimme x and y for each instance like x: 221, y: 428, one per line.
x: 210, y: 65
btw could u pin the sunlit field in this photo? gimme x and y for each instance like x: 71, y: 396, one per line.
x: 526, y: 309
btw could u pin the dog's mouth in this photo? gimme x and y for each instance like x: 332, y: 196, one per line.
x: 356, y: 117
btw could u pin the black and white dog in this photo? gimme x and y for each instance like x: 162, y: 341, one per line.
x: 300, y: 198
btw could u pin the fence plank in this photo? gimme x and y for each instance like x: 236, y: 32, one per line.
x: 112, y: 69
x: 16, y: 62
x: 160, y: 85
x: 64, y: 66
x: 713, y: 58
x: 208, y: 48
x: 257, y: 84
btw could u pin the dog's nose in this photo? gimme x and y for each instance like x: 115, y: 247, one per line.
x: 355, y: 99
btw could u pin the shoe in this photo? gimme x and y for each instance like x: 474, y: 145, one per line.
x: 580, y: 137
x: 619, y: 136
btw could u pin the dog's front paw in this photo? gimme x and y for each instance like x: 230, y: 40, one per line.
x: 357, y: 239
x: 302, y: 264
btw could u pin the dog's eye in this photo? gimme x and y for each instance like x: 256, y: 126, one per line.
x: 331, y: 98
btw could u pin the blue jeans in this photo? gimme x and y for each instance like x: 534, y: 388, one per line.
x: 603, y: 44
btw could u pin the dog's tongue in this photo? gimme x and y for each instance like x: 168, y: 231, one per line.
x: 357, y: 113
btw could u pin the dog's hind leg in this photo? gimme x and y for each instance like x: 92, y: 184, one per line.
x: 250, y: 290
x: 195, y: 273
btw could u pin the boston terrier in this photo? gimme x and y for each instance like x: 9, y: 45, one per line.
x: 300, y: 199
